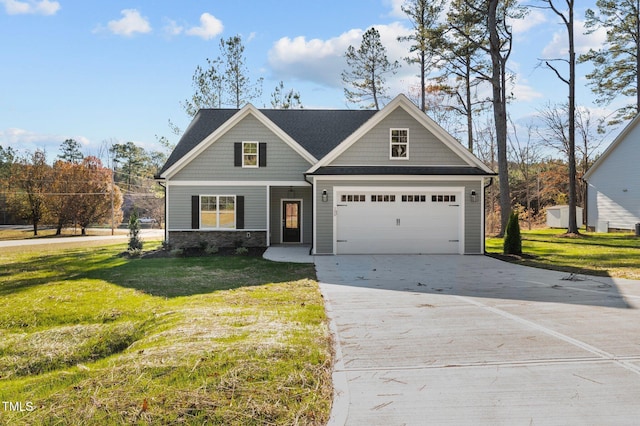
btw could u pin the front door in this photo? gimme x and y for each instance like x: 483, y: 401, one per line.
x: 291, y: 221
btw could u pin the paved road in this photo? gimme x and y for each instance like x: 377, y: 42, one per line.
x: 144, y: 233
x: 469, y: 340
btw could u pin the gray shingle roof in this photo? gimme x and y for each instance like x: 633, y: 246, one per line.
x: 317, y: 131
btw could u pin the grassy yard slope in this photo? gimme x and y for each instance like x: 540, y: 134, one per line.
x: 613, y: 254
x: 91, y: 337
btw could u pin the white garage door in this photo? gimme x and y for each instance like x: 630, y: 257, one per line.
x: 398, y: 221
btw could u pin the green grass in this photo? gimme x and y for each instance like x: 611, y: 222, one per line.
x: 48, y: 232
x: 612, y: 254
x: 88, y: 336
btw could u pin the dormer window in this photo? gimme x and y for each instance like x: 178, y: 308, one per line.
x: 249, y: 154
x: 399, y: 144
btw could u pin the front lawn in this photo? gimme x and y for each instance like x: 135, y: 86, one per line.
x: 88, y: 336
x: 613, y: 254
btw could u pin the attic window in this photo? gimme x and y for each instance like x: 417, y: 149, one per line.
x: 399, y: 144
x: 249, y: 154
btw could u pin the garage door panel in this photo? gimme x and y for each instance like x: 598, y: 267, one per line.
x: 397, y: 227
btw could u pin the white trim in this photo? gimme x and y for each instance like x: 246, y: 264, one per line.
x: 456, y: 189
x: 228, y: 125
x: 237, y: 183
x: 334, y: 249
x: 300, y: 221
x: 391, y: 157
x: 395, y: 165
x: 383, y: 189
x: 482, y: 218
x: 268, y: 215
x: 166, y: 214
x: 257, y: 144
x: 218, y: 228
x: 314, y: 229
x: 390, y: 178
x: 401, y: 101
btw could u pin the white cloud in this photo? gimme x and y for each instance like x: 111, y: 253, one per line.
x: 132, y: 22
x: 322, y: 61
x: 25, y: 141
x: 210, y: 27
x: 396, y: 8
x: 559, y: 45
x: 532, y: 19
x: 315, y: 60
x: 42, y: 7
x: 172, y: 28
x: 523, y: 92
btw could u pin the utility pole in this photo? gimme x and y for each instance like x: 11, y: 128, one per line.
x: 113, y: 187
x: 112, y: 209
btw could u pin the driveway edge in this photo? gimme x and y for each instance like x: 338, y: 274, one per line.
x: 340, y: 405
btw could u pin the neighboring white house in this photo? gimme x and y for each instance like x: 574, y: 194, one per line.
x: 558, y: 216
x: 613, y: 183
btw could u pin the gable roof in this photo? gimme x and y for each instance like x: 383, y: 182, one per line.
x: 401, y: 101
x: 315, y: 131
x: 318, y: 131
x: 621, y: 136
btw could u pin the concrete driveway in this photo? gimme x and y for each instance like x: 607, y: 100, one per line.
x: 473, y: 340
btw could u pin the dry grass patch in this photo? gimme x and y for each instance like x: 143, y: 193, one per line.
x: 155, y: 351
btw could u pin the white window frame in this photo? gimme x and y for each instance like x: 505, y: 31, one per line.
x: 244, y: 155
x: 235, y: 212
x: 392, y: 143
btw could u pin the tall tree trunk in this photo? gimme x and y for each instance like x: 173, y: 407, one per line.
x: 469, y: 106
x: 499, y: 114
x: 637, y: 16
x: 573, y: 223
x: 423, y: 87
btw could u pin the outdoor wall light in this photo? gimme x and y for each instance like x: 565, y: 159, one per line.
x: 325, y: 196
x: 473, y: 196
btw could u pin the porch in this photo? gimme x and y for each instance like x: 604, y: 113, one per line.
x: 290, y: 215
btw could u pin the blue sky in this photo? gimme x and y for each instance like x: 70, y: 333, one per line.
x: 117, y: 70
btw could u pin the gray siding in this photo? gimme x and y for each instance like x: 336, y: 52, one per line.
x: 424, y: 148
x: 473, y: 235
x: 216, y: 162
x: 255, y: 204
x: 473, y: 223
x: 277, y: 194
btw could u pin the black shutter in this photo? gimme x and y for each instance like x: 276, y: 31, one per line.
x: 195, y: 212
x: 239, y: 212
x: 263, y: 154
x: 237, y: 154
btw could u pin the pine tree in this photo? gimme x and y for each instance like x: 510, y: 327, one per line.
x: 615, y: 71
x: 70, y: 151
x: 225, y: 80
x: 367, y: 66
x: 512, y: 237
x: 425, y: 38
x: 135, y: 243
